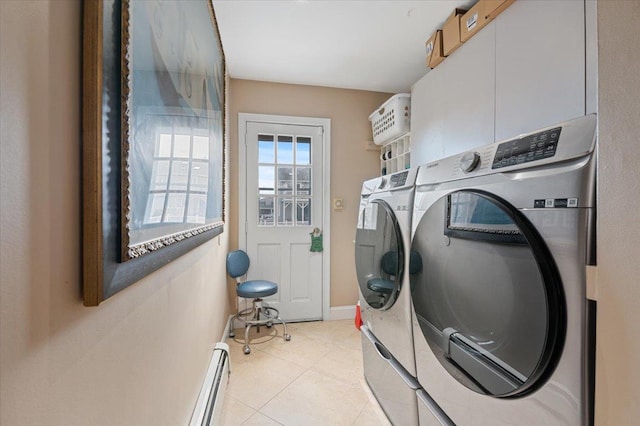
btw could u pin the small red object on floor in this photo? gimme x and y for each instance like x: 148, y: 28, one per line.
x: 358, y: 318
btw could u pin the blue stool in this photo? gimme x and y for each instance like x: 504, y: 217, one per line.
x: 260, y: 313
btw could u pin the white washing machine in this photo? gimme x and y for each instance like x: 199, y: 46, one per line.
x: 503, y: 330
x: 382, y: 261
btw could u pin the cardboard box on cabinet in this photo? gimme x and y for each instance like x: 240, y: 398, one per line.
x: 480, y: 15
x: 434, y: 49
x: 451, y: 32
x: 494, y: 8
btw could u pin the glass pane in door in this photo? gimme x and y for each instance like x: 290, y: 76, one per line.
x: 303, y: 181
x: 303, y: 150
x: 266, y: 149
x: 285, y: 149
x: 266, y: 211
x: 285, y: 211
x: 266, y: 180
x: 303, y: 211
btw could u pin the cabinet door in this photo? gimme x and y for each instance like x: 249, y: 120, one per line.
x: 540, y: 65
x: 452, y: 107
x: 469, y: 102
x: 427, y: 118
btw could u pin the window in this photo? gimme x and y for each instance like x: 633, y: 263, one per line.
x: 284, y: 180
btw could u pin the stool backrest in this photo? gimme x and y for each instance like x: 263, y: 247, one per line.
x: 389, y: 263
x: 237, y: 263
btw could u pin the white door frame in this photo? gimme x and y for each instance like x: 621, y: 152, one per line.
x: 325, y: 123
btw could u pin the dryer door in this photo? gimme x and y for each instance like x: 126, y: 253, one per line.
x: 379, y: 255
x: 488, y: 299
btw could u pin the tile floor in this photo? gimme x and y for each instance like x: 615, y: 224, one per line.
x: 314, y: 379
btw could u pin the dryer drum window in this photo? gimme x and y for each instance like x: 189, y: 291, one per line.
x: 379, y: 255
x: 488, y: 298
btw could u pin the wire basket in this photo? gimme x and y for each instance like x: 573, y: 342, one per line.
x: 392, y: 119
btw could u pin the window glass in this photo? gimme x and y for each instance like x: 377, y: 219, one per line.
x: 285, y: 149
x: 266, y: 149
x: 303, y: 150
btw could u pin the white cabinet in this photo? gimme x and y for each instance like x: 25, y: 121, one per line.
x: 452, y: 107
x: 427, y: 117
x: 470, y: 83
x: 540, y: 65
x: 523, y: 71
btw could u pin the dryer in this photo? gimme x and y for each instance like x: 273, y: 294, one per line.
x: 381, y: 251
x: 503, y: 331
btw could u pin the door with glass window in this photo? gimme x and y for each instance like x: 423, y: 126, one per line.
x: 283, y: 207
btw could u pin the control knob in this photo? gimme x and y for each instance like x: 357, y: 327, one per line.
x: 383, y: 182
x: 469, y: 161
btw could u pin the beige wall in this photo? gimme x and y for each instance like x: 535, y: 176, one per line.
x: 140, y: 357
x: 350, y: 162
x: 618, y: 271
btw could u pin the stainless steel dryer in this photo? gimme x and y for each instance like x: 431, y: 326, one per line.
x: 503, y: 330
x: 382, y: 261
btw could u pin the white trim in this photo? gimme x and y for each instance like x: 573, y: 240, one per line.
x: 225, y: 332
x: 342, y: 312
x: 325, y: 123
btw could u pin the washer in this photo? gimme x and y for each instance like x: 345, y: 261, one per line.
x: 382, y: 242
x: 503, y: 331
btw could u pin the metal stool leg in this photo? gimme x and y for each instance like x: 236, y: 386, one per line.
x: 269, y: 309
x: 232, y: 333
x: 246, y: 349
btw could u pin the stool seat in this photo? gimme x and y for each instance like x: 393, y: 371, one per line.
x: 380, y: 285
x: 256, y: 288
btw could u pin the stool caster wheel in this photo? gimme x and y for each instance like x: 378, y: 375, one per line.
x: 269, y: 325
x: 246, y: 350
x: 232, y: 334
x: 287, y: 337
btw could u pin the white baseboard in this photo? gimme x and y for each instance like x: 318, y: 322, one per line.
x: 342, y: 312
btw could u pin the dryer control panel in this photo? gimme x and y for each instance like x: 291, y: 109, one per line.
x: 530, y: 148
x: 564, y: 141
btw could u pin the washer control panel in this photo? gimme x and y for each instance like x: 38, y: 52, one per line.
x: 532, y: 147
x: 398, y: 179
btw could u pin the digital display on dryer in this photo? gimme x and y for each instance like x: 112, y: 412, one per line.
x: 529, y: 148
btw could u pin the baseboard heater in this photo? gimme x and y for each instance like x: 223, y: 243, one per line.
x: 208, y: 409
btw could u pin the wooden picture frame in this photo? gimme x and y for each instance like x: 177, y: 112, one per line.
x: 153, y: 138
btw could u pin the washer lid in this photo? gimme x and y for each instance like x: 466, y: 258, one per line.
x: 379, y: 255
x: 489, y: 299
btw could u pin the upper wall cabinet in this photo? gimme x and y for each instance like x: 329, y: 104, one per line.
x: 469, y: 78
x: 540, y: 65
x: 453, y: 106
x: 523, y: 71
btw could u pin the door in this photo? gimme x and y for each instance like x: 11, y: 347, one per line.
x: 284, y: 205
x: 379, y: 256
x: 489, y: 299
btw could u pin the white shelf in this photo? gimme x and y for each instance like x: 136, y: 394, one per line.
x: 396, y: 155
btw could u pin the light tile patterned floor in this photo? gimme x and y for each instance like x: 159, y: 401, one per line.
x: 315, y: 379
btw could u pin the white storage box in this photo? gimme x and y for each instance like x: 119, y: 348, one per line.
x: 392, y: 119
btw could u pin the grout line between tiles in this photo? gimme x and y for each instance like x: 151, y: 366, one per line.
x: 343, y: 345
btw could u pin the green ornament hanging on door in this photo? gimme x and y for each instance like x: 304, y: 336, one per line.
x: 316, y: 240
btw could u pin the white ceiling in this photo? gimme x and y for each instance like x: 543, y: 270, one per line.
x: 373, y: 45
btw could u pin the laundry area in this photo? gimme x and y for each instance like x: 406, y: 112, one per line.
x: 310, y: 212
